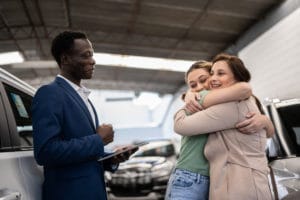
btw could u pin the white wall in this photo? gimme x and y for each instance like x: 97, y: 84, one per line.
x: 274, y: 60
x: 119, y: 113
x: 167, y: 127
x: 131, y: 120
x: 128, y: 135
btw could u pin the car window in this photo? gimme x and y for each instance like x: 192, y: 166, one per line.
x: 21, y: 105
x: 290, y: 116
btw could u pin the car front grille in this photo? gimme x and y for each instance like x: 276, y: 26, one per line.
x: 131, y: 182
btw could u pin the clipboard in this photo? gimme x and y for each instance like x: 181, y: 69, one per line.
x: 131, y: 148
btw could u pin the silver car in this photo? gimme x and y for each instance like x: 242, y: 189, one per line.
x: 20, y: 176
x: 284, y: 148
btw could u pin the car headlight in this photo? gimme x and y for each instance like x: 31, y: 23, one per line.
x: 107, y: 176
x: 163, y: 169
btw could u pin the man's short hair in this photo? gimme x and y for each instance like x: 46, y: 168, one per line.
x: 63, y: 43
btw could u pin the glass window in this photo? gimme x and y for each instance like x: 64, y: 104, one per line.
x: 290, y: 118
x: 297, y: 132
x: 21, y: 105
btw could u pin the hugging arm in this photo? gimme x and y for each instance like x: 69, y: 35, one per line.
x: 213, y: 118
x: 219, y: 117
x: 238, y: 91
x: 269, y: 127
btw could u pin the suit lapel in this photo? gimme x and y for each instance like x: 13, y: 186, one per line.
x: 70, y: 91
x: 95, y: 113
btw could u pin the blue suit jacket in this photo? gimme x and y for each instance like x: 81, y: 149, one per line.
x: 66, y: 145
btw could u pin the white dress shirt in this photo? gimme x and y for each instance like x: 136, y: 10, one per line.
x: 83, y: 92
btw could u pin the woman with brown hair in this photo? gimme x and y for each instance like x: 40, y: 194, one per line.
x: 238, y: 164
x: 190, y: 179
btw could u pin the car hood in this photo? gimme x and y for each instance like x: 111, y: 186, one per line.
x: 286, y: 173
x: 145, y: 162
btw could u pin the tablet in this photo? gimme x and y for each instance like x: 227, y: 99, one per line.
x: 131, y: 148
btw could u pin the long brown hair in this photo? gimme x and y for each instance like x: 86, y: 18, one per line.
x: 240, y: 72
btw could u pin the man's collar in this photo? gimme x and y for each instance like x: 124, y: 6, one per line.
x: 85, y: 90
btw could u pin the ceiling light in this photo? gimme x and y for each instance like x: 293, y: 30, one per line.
x: 142, y: 62
x: 10, y: 57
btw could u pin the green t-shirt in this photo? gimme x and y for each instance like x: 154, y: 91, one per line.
x: 191, y: 156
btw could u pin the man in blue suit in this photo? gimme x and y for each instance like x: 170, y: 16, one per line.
x: 68, y: 140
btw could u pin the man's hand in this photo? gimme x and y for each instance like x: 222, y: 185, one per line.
x: 106, y: 132
x: 123, y: 156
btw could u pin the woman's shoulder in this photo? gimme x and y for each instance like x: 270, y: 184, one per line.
x: 249, y: 104
x: 202, y: 95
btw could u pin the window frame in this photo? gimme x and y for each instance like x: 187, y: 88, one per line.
x: 5, y: 143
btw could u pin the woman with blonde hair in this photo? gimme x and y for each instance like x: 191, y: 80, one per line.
x: 238, y: 164
x: 190, y: 179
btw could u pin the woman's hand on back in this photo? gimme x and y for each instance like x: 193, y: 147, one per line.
x: 252, y: 124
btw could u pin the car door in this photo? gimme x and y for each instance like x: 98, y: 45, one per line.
x: 20, y: 177
x: 284, y: 147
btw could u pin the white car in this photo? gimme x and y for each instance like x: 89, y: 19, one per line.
x: 284, y: 148
x: 20, y: 176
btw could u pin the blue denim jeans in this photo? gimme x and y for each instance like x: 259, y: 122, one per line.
x: 187, y: 185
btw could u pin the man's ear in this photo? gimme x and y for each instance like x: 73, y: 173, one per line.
x: 64, y: 59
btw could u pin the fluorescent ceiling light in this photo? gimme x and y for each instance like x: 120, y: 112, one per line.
x: 109, y: 60
x: 10, y: 57
x: 142, y: 62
